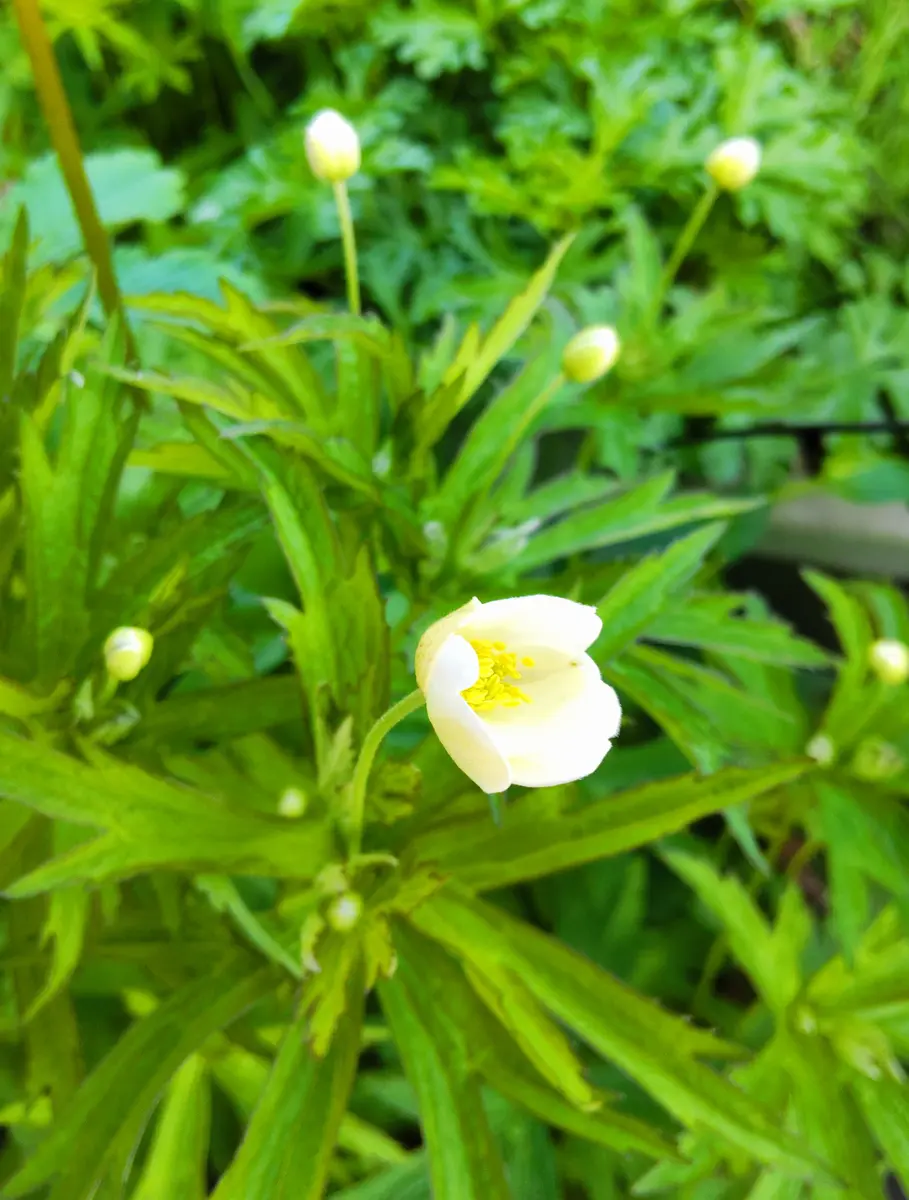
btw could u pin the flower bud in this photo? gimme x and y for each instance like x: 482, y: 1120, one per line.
x: 734, y: 163
x: 332, y: 147
x: 292, y: 802
x: 821, y: 749
x: 344, y: 911
x: 590, y: 353
x: 889, y: 660
x: 876, y: 761
x: 126, y: 652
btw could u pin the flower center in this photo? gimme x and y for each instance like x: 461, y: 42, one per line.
x: 495, y: 687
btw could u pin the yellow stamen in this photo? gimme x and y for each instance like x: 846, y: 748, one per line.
x: 527, y: 661
x: 496, y: 685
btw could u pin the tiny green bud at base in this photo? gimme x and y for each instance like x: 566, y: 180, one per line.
x: 876, y: 760
x: 821, y: 749
x: 734, y: 163
x: 332, y: 147
x: 292, y: 803
x: 345, y: 911
x: 126, y: 652
x: 590, y: 353
x: 889, y: 660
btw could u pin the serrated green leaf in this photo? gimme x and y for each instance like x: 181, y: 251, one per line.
x: 100, y: 1130
x: 531, y: 843
x: 517, y: 316
x: 652, y: 1047
x: 66, y: 922
x: 178, y: 1159
x: 222, y: 713
x: 853, y: 629
x: 884, y: 1103
x: 706, y: 623
x: 774, y: 967
x: 464, y: 1160
x: 645, y: 590
x: 287, y: 1149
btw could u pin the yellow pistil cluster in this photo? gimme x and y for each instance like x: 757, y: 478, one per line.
x: 498, y: 668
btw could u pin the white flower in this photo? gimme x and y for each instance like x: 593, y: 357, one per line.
x: 512, y: 695
x: 734, y: 163
x: 127, y: 651
x: 590, y: 353
x: 889, y: 661
x: 332, y: 146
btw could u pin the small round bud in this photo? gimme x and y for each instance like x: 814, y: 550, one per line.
x: 889, y: 660
x: 821, y: 749
x: 292, y: 802
x: 126, y: 652
x: 590, y: 353
x: 332, y: 147
x: 876, y: 761
x: 734, y: 163
x: 344, y: 911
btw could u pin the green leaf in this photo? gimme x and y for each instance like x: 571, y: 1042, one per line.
x: 151, y: 822
x: 853, y: 629
x: 774, y: 968
x: 647, y: 588
x: 12, y: 296
x: 130, y: 185
x: 493, y: 438
x: 100, y: 1130
x: 517, y: 316
x: 655, y: 1049
x: 705, y: 622
x: 178, y: 1158
x: 532, y: 843
x: 66, y: 923
x: 287, y: 1149
x: 224, y: 897
x: 222, y: 713
x: 464, y: 1160
x: 639, y: 513
x: 884, y: 1103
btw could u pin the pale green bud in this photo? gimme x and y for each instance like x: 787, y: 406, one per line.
x: 292, y: 802
x: 126, y: 652
x: 332, y: 147
x: 345, y: 911
x: 590, y: 353
x: 734, y: 163
x: 889, y: 660
x: 876, y: 760
x: 821, y: 749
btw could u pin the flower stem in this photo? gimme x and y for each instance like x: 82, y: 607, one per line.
x: 368, y: 750
x: 686, y: 239
x: 350, y: 247
x: 59, y: 118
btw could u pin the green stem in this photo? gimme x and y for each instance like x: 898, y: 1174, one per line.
x: 693, y: 226
x: 370, y: 746
x: 57, y: 114
x: 350, y: 247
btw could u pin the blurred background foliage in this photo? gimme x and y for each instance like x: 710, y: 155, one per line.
x: 286, y: 495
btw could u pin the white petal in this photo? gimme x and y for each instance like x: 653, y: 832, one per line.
x: 535, y: 620
x: 435, y: 635
x: 563, y: 736
x: 455, y: 667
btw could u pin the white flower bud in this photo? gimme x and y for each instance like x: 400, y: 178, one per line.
x: 821, y: 749
x: 332, y: 147
x: 734, y: 163
x: 126, y: 652
x: 292, y: 802
x: 889, y: 660
x: 590, y: 353
x: 344, y: 911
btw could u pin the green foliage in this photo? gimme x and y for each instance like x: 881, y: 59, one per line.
x: 686, y: 974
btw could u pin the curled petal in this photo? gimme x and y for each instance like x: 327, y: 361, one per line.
x: 535, y: 620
